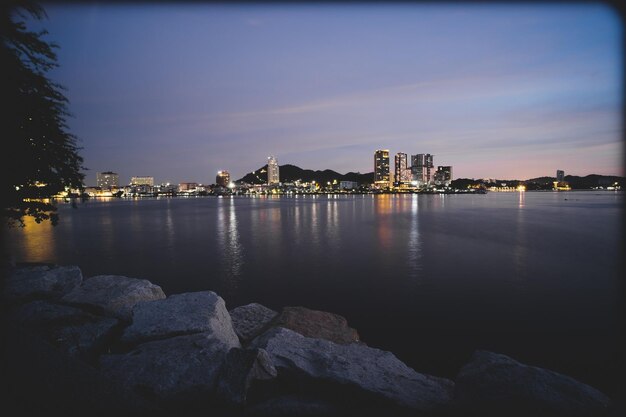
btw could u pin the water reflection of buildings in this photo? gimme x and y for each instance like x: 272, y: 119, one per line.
x: 332, y: 224
x: 231, y: 259
x: 383, y: 205
x: 414, y: 242
x: 520, y: 247
x: 38, y: 243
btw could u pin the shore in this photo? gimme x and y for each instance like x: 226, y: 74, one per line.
x: 118, y: 345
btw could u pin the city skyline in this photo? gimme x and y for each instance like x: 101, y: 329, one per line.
x: 496, y: 91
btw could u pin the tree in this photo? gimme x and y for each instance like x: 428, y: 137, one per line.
x: 40, y: 157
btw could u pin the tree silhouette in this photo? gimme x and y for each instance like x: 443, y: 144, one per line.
x: 39, y: 156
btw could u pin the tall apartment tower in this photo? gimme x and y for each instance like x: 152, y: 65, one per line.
x: 402, y: 171
x: 381, y: 168
x: 560, y: 175
x: 107, y: 179
x: 273, y: 176
x: 222, y: 178
x: 421, y: 168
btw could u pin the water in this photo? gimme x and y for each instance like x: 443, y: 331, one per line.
x: 534, y: 275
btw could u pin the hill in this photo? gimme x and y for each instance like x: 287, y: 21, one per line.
x: 581, y: 183
x: 291, y: 173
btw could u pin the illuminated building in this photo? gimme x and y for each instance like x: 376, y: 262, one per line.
x: 381, y: 168
x: 402, y: 171
x: 107, y: 180
x: 560, y: 184
x: 443, y: 175
x: 142, y: 181
x: 421, y: 166
x: 222, y: 179
x: 187, y: 186
x: 273, y: 176
x: 348, y: 185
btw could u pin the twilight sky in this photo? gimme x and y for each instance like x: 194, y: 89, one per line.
x: 179, y: 92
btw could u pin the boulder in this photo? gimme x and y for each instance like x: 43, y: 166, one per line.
x: 73, y: 331
x: 177, y: 373
x: 113, y: 295
x: 495, y: 384
x: 317, y: 324
x: 181, y: 314
x: 251, y: 320
x: 41, y: 281
x: 241, y: 368
x: 354, y: 368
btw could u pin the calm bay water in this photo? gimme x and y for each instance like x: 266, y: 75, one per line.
x: 534, y: 275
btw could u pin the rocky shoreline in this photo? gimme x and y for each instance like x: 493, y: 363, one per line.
x: 139, y: 351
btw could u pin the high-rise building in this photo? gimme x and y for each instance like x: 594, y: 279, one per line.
x: 421, y: 168
x: 560, y: 175
x: 273, y: 174
x: 381, y: 168
x: 402, y: 171
x: 142, y: 181
x: 443, y: 175
x: 222, y: 178
x: 107, y: 180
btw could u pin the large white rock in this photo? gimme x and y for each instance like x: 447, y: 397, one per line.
x: 114, y: 295
x: 180, y: 314
x: 495, y: 384
x: 356, y: 367
x: 180, y: 372
x: 41, y: 281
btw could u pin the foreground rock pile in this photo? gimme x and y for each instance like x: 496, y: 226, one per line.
x: 188, y: 354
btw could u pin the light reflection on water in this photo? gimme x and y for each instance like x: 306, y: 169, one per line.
x: 36, y: 240
x: 454, y: 268
x: 414, y: 250
x: 231, y: 256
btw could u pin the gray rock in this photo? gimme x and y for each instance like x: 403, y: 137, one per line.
x: 495, y: 384
x: 241, y: 368
x: 251, y: 320
x: 73, y: 331
x: 42, y: 281
x: 356, y: 367
x: 180, y: 371
x: 180, y: 314
x: 114, y: 295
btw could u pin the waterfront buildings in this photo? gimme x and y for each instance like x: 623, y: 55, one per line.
x: 142, y: 181
x: 223, y: 178
x: 443, y: 175
x: 381, y: 168
x: 421, y: 169
x: 560, y: 183
x: 402, y: 170
x: 348, y: 185
x: 187, y: 186
x: 107, y: 180
x: 273, y: 175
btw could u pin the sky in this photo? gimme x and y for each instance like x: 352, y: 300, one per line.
x: 180, y: 91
